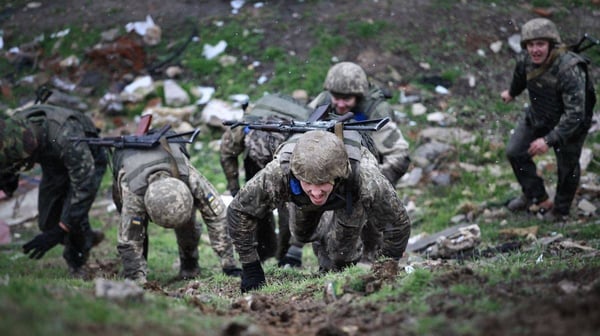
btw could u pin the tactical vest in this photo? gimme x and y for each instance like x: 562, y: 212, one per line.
x: 140, y: 164
x: 261, y: 145
x: 56, y: 116
x: 546, y: 101
x: 348, y: 188
x: 281, y: 106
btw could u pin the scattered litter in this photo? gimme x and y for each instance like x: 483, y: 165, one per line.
x: 210, y: 51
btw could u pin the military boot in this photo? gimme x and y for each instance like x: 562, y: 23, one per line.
x: 189, y: 269
x: 518, y: 204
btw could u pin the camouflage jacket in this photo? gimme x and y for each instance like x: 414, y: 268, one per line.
x: 53, y: 126
x: 376, y: 201
x: 389, y: 141
x: 557, y: 94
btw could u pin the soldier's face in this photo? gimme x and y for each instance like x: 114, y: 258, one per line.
x: 318, y: 193
x: 538, y: 50
x: 343, y: 104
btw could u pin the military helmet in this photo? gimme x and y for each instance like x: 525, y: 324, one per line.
x: 319, y: 157
x: 539, y: 28
x: 17, y: 141
x: 347, y: 78
x: 169, y: 202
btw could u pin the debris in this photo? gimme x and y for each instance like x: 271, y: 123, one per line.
x: 210, y: 51
x: 118, y: 290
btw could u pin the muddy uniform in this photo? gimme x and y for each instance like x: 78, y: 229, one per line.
x: 389, y: 141
x: 258, y: 148
x: 133, y: 171
x: 336, y: 235
x: 71, y: 174
x: 557, y: 113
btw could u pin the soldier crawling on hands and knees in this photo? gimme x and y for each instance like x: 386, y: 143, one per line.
x: 71, y: 176
x: 562, y: 100
x: 161, y: 185
x: 258, y: 148
x: 335, y: 190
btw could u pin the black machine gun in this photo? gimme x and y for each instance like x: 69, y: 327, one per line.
x: 145, y: 141
x: 292, y: 126
x: 580, y: 46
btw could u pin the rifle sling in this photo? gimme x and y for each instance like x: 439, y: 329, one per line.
x: 173, y: 162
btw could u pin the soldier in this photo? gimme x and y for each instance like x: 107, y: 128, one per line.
x: 258, y: 148
x: 559, y: 116
x: 71, y: 176
x: 316, y: 172
x: 161, y: 185
x: 348, y: 90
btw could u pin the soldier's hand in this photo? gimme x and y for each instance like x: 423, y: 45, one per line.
x: 38, y: 246
x: 253, y: 276
x: 9, y: 183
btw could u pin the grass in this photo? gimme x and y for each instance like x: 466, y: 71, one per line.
x: 39, y: 297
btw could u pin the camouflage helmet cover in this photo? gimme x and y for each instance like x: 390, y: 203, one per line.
x: 169, y: 202
x: 17, y: 142
x: 347, y: 78
x: 319, y: 157
x: 539, y: 28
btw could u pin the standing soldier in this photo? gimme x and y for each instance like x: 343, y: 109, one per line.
x: 258, y: 148
x: 348, y: 90
x: 316, y: 172
x: 562, y: 100
x: 71, y: 176
x: 160, y: 184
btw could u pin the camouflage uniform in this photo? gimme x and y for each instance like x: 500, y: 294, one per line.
x: 134, y: 170
x: 257, y: 148
x: 389, y: 141
x: 71, y: 173
x: 335, y: 228
x: 560, y: 112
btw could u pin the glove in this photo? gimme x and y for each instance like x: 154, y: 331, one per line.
x: 293, y: 257
x: 253, y: 276
x: 43, y: 242
x: 234, y: 192
x: 9, y: 183
x: 232, y: 271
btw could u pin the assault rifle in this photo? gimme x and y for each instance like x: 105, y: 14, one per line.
x: 579, y: 46
x: 293, y: 126
x: 140, y: 141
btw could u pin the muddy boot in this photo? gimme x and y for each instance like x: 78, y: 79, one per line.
x: 189, y: 269
x: 520, y: 203
x: 293, y: 258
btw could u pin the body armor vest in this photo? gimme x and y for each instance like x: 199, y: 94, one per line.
x: 140, y: 164
x: 545, y: 96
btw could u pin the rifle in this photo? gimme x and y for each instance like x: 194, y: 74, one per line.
x: 140, y: 141
x: 579, y: 46
x: 293, y: 126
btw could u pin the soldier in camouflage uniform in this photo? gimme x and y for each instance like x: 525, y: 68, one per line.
x: 348, y: 90
x: 258, y: 148
x: 562, y: 99
x: 334, y: 189
x: 161, y: 185
x: 71, y: 176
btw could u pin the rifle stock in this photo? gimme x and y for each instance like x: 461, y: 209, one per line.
x: 140, y: 141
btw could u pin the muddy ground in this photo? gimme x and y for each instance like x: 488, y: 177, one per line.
x: 555, y: 304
